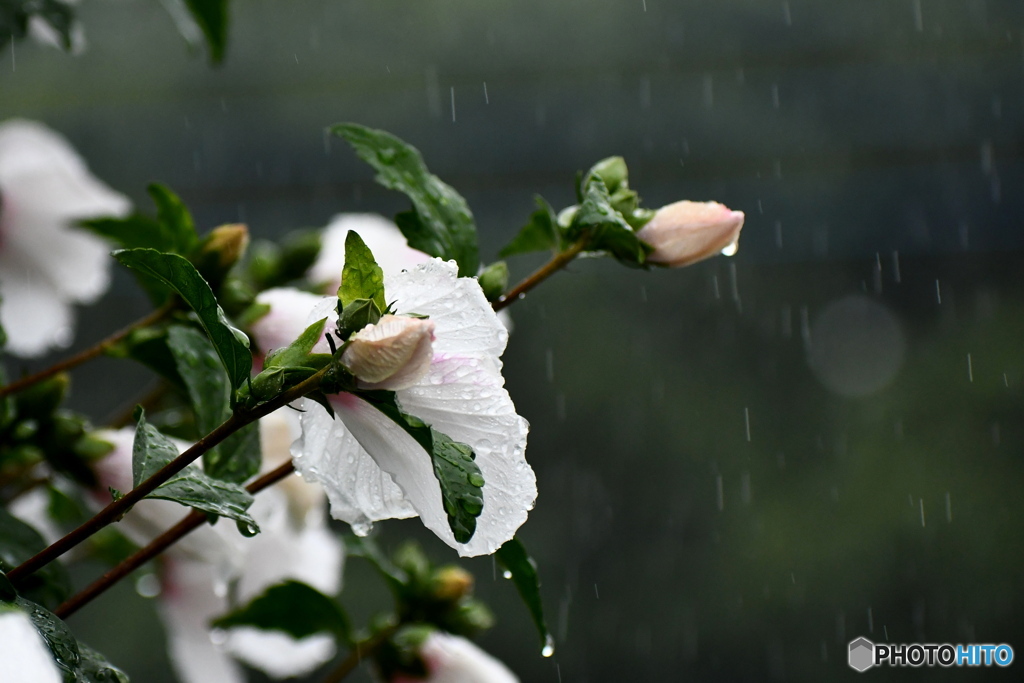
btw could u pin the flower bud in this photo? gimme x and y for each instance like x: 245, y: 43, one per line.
x: 686, y: 232
x: 219, y: 251
x: 393, y: 354
x: 451, y: 583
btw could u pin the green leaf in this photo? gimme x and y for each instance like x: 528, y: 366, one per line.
x: 296, y: 354
x: 366, y: 548
x: 212, y: 17
x: 612, y: 171
x: 454, y: 467
x: 51, y: 584
x: 606, y: 228
x: 238, y: 457
x: 192, y: 487
x: 58, y: 639
x: 541, y: 233
x: 231, y: 344
x: 361, y: 277
x: 356, y: 316
x: 513, y: 556
x: 440, y: 223
x: 174, y: 218
x: 132, y: 232
x: 294, y: 608
x: 199, y: 367
x: 94, y: 667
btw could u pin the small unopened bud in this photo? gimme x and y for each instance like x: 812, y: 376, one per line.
x: 228, y: 243
x: 393, y: 354
x: 686, y: 232
x: 451, y: 583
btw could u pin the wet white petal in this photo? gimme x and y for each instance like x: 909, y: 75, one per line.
x: 453, y: 659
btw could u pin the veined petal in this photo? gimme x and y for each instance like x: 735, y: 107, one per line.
x: 465, y: 398
x: 360, y: 493
x: 464, y: 322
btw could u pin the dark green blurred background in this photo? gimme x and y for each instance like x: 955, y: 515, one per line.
x: 743, y: 465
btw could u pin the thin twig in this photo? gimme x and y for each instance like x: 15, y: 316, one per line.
x: 116, y: 509
x: 190, y: 522
x: 97, y: 349
x: 557, y: 262
x: 361, y: 650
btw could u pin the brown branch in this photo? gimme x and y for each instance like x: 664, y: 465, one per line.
x: 97, y: 349
x: 116, y: 509
x: 557, y: 262
x: 189, y: 523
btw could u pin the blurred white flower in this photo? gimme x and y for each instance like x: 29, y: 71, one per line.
x: 373, y: 470
x: 46, y: 264
x: 453, y: 659
x: 286, y: 318
x: 294, y: 543
x: 686, y: 232
x: 25, y: 657
x: 392, y: 253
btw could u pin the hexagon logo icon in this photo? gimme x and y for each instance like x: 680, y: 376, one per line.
x: 862, y: 654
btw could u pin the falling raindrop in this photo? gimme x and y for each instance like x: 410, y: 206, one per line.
x: 549, y: 646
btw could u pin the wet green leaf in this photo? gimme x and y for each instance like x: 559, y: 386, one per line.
x: 541, y: 232
x: 176, y: 272
x: 294, y: 608
x: 361, y: 277
x: 514, y: 558
x: 440, y: 223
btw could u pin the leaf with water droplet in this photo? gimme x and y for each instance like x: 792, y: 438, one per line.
x: 440, y: 223
x: 513, y: 556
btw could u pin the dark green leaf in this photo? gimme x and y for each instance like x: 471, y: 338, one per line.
x: 199, y: 367
x: 294, y: 608
x: 605, y: 228
x: 192, y: 487
x: 541, y: 233
x: 441, y: 223
x: 149, y: 346
x: 231, y: 344
x: 94, y: 667
x: 133, y: 232
x: 212, y: 17
x: 58, y: 638
x: 361, y: 277
x: 454, y: 466
x: 513, y: 556
x: 237, y: 458
x: 18, y: 542
x: 174, y: 219
x: 612, y: 171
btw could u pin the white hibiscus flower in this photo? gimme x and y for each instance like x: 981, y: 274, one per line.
x: 373, y: 470
x: 45, y: 264
x: 294, y: 543
x: 453, y: 659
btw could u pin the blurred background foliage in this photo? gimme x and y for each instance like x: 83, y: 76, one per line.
x: 742, y: 465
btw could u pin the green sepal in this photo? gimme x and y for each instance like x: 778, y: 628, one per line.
x: 297, y: 353
x: 176, y: 272
x: 440, y: 223
x: 356, y: 316
x: 605, y: 229
x: 453, y: 463
x: 361, y: 277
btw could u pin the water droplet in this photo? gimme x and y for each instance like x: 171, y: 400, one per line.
x: 549, y: 646
x: 731, y: 249
x: 148, y: 586
x: 507, y: 574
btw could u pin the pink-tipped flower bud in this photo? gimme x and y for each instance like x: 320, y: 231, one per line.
x: 686, y: 232
x: 393, y: 354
